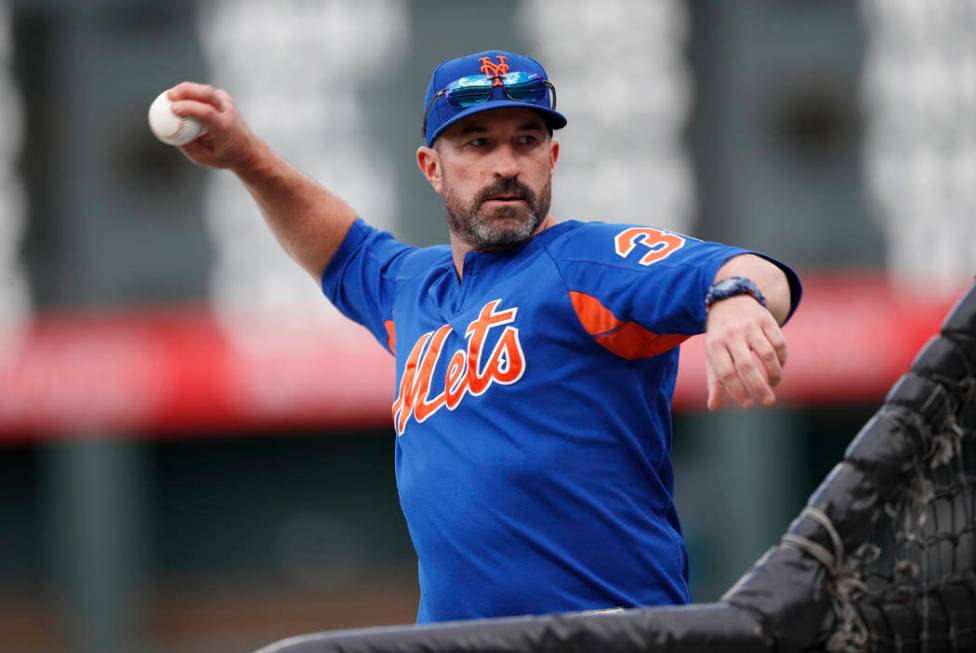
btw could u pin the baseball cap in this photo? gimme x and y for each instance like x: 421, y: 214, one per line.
x: 487, y: 80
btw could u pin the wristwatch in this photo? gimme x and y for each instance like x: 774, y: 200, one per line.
x: 732, y: 286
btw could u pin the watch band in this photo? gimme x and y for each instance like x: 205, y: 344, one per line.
x: 732, y: 286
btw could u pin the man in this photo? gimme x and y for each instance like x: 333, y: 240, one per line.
x: 536, y: 359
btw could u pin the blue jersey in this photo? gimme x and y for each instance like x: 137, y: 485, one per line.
x: 533, y: 410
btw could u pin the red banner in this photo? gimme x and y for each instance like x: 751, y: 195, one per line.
x: 177, y: 371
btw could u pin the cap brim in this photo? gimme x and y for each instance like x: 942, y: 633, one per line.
x: 553, y: 118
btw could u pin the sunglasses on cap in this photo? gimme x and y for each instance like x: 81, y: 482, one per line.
x: 471, y: 90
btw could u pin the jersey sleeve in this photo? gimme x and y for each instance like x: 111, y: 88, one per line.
x: 360, y: 280
x: 640, y: 291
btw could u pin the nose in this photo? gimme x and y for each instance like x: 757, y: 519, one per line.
x: 506, y: 163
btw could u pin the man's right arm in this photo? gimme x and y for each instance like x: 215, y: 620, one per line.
x: 308, y: 221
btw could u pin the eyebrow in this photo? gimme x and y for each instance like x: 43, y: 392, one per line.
x: 474, y: 128
x: 480, y: 128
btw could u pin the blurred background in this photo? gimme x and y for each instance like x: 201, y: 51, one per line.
x: 195, y: 449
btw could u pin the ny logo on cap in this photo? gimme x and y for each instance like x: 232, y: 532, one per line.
x: 494, y: 70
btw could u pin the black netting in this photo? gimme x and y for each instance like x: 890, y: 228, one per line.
x: 914, y: 579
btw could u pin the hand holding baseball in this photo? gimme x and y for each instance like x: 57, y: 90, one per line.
x: 169, y: 127
x: 226, y: 142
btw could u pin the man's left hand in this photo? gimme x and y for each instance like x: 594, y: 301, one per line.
x: 745, y: 351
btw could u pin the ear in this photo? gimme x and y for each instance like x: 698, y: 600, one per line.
x: 429, y: 162
x: 553, y: 153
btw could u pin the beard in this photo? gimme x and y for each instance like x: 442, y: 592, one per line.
x: 484, y: 227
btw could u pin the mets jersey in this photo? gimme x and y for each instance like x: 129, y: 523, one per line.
x: 533, y: 410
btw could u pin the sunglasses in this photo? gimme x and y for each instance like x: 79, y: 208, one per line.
x: 474, y: 89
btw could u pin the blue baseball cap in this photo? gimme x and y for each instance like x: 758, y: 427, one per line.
x: 497, y: 67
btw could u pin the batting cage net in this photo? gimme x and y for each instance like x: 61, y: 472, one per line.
x: 883, y: 557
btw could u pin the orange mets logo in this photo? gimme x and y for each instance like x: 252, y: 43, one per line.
x: 495, y: 71
x: 466, y: 373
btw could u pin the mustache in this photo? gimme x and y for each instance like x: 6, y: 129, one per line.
x: 509, y: 187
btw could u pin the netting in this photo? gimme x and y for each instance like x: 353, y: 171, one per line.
x: 912, y: 584
x: 883, y: 558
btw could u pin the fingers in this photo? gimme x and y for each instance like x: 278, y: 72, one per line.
x: 724, y: 369
x: 716, y: 391
x: 776, y: 339
x: 749, y: 371
x: 767, y: 356
x: 199, y: 92
x: 200, y: 101
x: 223, y: 99
x: 745, y: 353
x: 205, y: 113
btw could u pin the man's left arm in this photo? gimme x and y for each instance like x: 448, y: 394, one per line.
x: 745, y: 349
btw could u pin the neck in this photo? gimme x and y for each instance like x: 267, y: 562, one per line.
x: 459, y: 247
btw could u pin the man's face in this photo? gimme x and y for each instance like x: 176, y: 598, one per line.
x: 496, y: 176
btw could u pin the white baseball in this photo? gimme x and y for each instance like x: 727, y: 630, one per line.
x: 169, y: 127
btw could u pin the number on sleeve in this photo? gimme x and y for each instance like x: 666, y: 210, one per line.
x: 660, y: 243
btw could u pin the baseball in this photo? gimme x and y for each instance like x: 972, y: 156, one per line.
x: 169, y: 127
